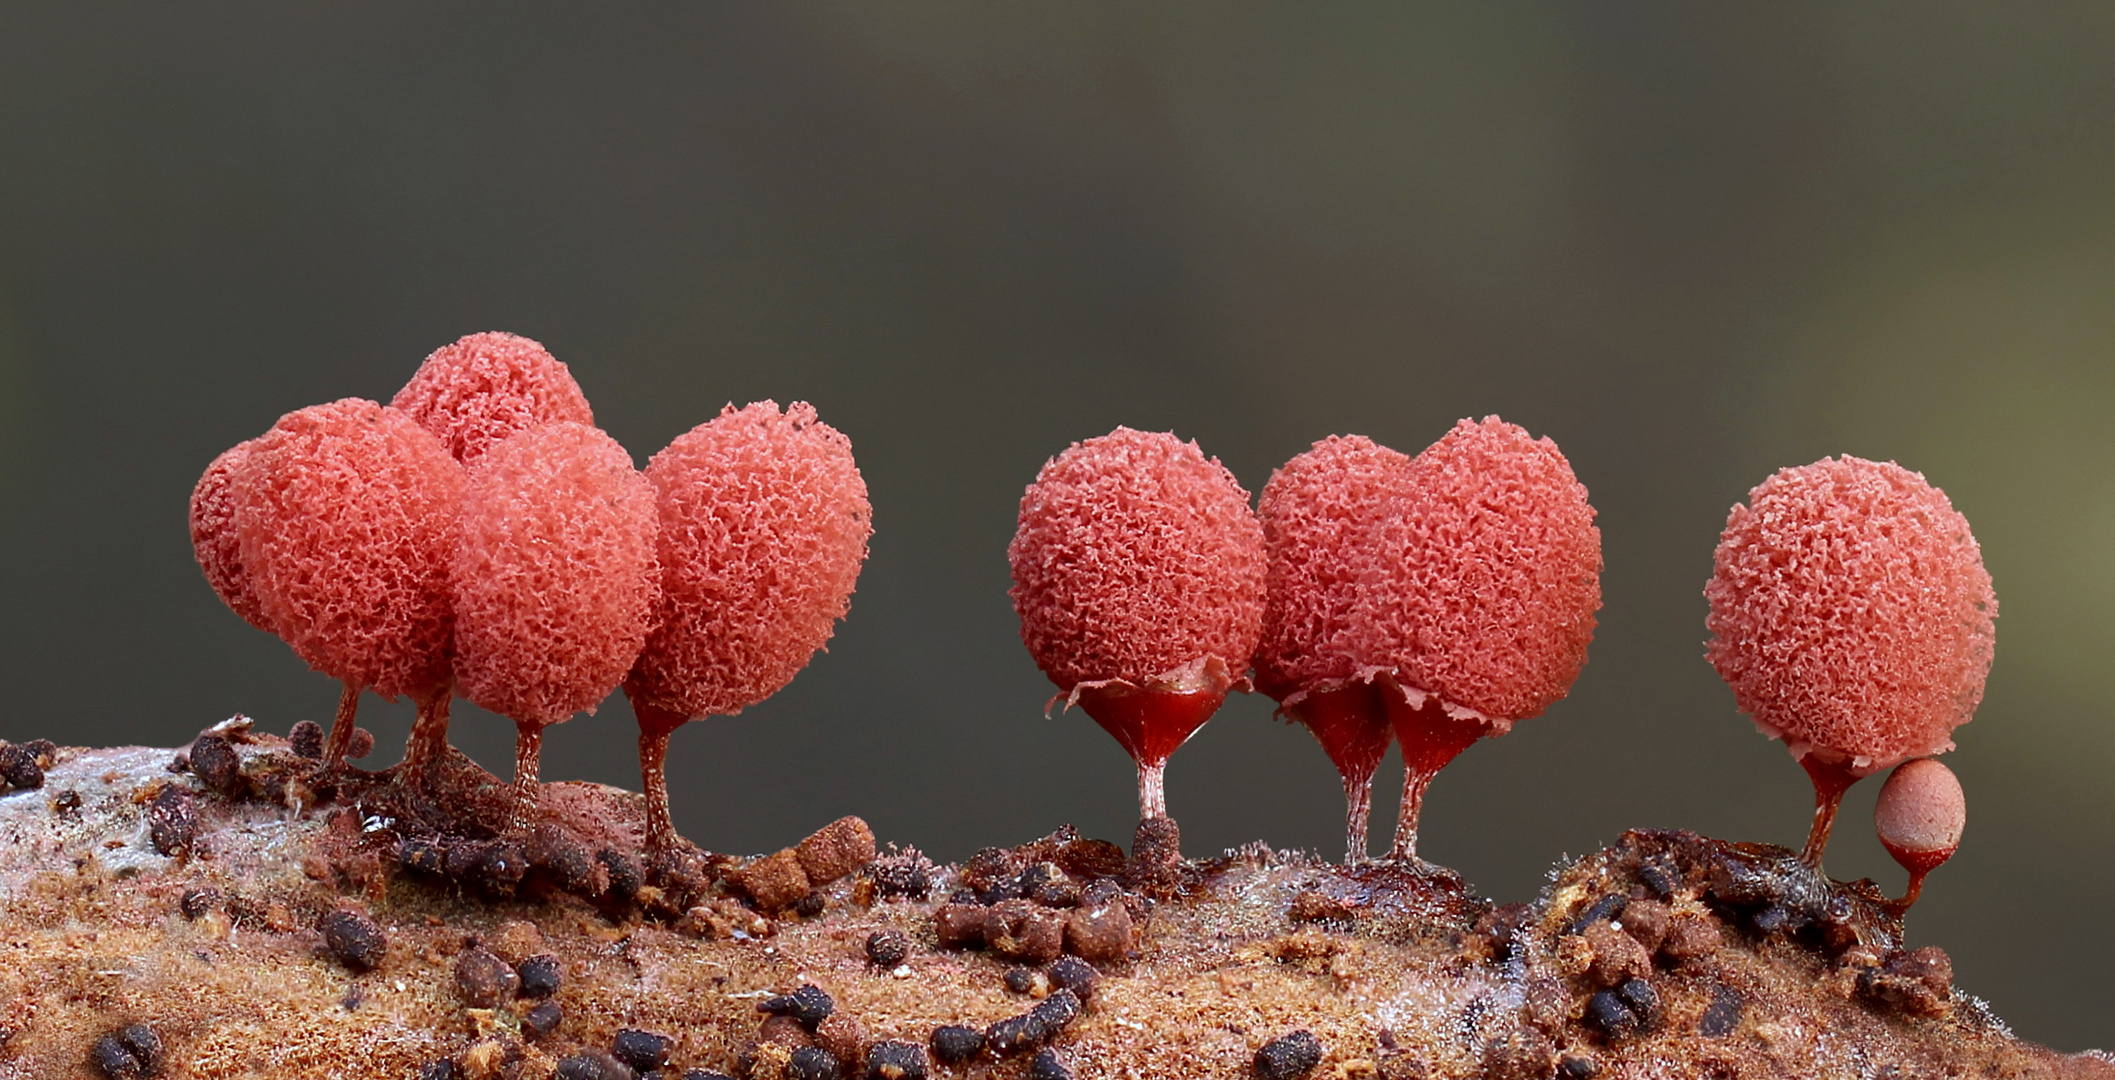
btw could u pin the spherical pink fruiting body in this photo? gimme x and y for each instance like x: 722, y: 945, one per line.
x: 1851, y: 613
x: 1136, y: 556
x: 764, y: 526
x: 485, y: 387
x: 1322, y: 515
x: 215, y: 542
x: 347, y: 515
x: 1493, y: 573
x: 556, y: 576
x: 1921, y: 811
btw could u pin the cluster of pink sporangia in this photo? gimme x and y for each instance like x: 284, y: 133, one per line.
x: 1442, y: 598
x: 479, y: 535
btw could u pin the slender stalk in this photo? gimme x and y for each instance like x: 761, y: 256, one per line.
x: 341, y: 729
x: 1358, y: 811
x: 1916, y: 889
x: 653, y: 773
x: 528, y: 756
x: 1831, y: 780
x: 1152, y: 789
x: 1415, y: 781
x: 429, y: 739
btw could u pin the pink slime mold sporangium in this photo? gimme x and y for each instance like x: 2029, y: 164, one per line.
x: 1138, y: 574
x: 1852, y: 617
x: 485, y: 387
x: 1485, y: 606
x: 1919, y: 816
x: 764, y: 523
x: 555, y: 579
x: 1321, y: 514
x: 214, y: 541
x: 347, y: 515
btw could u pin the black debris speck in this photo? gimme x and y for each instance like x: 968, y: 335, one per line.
x: 1722, y: 1015
x: 954, y: 1044
x: 43, y: 750
x: 422, y: 856
x: 307, y: 739
x: 1020, y: 980
x: 541, y: 976
x: 1643, y: 1000
x: 1031, y: 1029
x: 888, y: 948
x: 172, y: 822
x: 1577, y: 1066
x: 196, y: 902
x: 592, y: 1065
x: 625, y: 879
x: 1608, y: 907
x: 354, y: 939
x: 483, y: 980
x: 1074, y: 974
x: 217, y: 766
x: 811, y: 905
x: 113, y: 1060
x: 1660, y: 878
x: 1288, y: 1057
x: 438, y: 1068
x: 892, y: 1060
x: 814, y: 1063
x: 18, y: 766
x: 144, y: 1045
x: 644, y: 1051
x: 66, y: 803
x: 809, y: 1005
x: 1048, y: 1066
x: 1606, y: 1013
x: 501, y: 869
x: 898, y: 876
x: 541, y: 1020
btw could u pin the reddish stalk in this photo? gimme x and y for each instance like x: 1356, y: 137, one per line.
x: 429, y: 738
x: 1351, y: 723
x: 1430, y: 739
x: 1150, y: 725
x: 655, y: 726
x: 1831, y: 780
x: 341, y: 728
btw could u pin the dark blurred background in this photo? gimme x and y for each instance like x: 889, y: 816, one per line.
x: 1692, y: 244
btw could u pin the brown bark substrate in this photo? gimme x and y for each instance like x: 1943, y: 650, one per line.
x: 250, y: 914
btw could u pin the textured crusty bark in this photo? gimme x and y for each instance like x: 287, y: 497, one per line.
x: 1665, y: 955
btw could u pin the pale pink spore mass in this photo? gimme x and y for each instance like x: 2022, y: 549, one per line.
x: 1135, y: 556
x: 1322, y: 513
x: 1921, y: 809
x: 1851, y: 613
x: 485, y: 387
x: 347, y: 515
x: 555, y: 578
x: 215, y: 542
x: 1494, y: 574
x: 764, y: 523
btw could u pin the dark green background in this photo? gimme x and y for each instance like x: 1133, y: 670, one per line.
x: 1691, y: 243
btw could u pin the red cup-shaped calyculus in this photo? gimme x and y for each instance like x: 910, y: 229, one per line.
x: 555, y: 579
x: 1322, y: 515
x: 1485, y: 604
x: 348, y: 515
x: 1138, y: 575
x: 1852, y: 618
x: 764, y: 523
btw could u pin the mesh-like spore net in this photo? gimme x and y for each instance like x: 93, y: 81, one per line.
x: 1322, y: 514
x: 1134, y: 556
x: 486, y: 387
x: 764, y: 525
x: 1851, y: 613
x: 347, y: 515
x: 214, y: 541
x: 1488, y: 595
x: 556, y: 577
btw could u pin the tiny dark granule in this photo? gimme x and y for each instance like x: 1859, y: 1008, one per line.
x: 644, y: 1051
x: 1035, y: 1027
x: 810, y: 1005
x: 438, y: 1068
x: 888, y: 948
x: 218, y: 767
x: 1606, y: 1014
x: 592, y: 1065
x: 954, y: 1044
x: 307, y: 740
x: 814, y: 1063
x: 554, y: 852
x: 1661, y: 879
x: 172, y: 822
x: 66, y: 803
x: 1288, y: 1057
x: 1039, y: 874
x: 483, y: 980
x: 361, y: 744
x: 112, y: 1059
x: 459, y: 859
x: 354, y: 939
x: 421, y: 856
x: 1577, y: 1067
x: 1102, y: 891
x: 1722, y: 1015
x: 1048, y: 1066
x: 896, y: 876
x: 541, y: 1020
x: 1074, y: 974
x: 43, y: 750
x: 625, y: 879
x: 1643, y: 1000
x: 197, y: 902
x: 811, y: 905
x: 892, y: 1060
x: 541, y: 976
x: 18, y: 766
x: 1607, y: 907
x: 988, y: 868
x: 500, y: 870
x: 1057, y: 894
x: 145, y: 1045
x: 1021, y: 980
